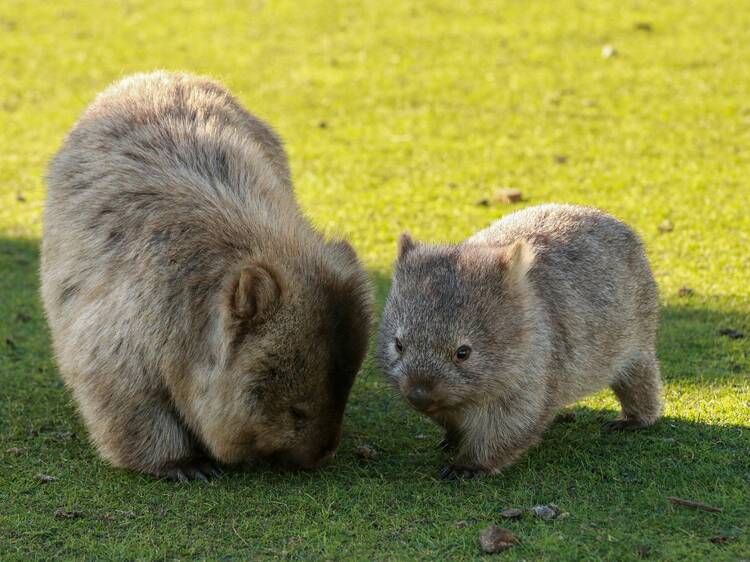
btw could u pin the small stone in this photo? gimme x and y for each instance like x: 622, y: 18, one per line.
x: 722, y: 539
x: 546, y: 512
x: 483, y: 202
x: 665, y: 226
x: 366, y: 452
x: 685, y: 291
x: 61, y: 513
x: 507, y: 196
x: 731, y: 333
x: 608, y: 51
x: 512, y: 513
x: 496, y: 539
x: 45, y: 478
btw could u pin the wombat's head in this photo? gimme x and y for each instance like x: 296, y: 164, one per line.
x: 455, y: 323
x: 296, y: 342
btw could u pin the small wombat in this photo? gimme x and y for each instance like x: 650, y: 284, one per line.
x: 195, y: 314
x: 491, y: 337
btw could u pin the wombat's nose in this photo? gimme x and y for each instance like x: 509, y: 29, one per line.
x: 420, y: 397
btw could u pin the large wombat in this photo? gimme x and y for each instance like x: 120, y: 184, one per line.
x: 491, y: 337
x: 195, y: 314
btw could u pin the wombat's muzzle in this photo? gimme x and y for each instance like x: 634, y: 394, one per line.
x: 420, y: 396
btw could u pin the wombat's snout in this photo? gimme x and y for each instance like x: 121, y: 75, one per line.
x: 313, y: 456
x: 420, y: 396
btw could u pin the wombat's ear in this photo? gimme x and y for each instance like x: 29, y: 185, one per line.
x: 405, y: 245
x: 256, y: 293
x: 517, y: 259
x: 344, y: 249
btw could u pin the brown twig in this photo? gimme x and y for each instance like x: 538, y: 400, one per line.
x: 694, y: 505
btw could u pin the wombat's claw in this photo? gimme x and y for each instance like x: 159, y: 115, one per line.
x: 203, y: 470
x: 446, y: 445
x: 456, y: 472
x: 624, y: 425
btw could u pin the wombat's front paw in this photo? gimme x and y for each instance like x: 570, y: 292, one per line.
x: 625, y: 425
x: 191, y: 469
x: 454, y: 472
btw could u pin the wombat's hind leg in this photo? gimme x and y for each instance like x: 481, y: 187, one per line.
x: 638, y: 388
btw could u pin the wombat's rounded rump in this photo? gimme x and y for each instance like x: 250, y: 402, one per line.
x: 195, y: 314
x: 491, y: 337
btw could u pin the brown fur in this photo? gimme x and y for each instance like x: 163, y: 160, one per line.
x: 194, y: 311
x: 555, y: 302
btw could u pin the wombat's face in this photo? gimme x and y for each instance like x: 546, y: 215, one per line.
x: 293, y: 362
x: 454, y: 325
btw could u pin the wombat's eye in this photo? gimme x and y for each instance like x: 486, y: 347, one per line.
x: 399, y: 346
x: 462, y: 354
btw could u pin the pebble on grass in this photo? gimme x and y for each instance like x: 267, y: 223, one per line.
x: 45, y: 478
x: 512, y: 513
x: 366, y: 452
x: 608, y: 51
x: 61, y: 513
x: 496, y: 539
x: 548, y: 512
x: 665, y: 226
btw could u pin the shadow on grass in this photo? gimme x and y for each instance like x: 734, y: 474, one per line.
x: 690, y: 346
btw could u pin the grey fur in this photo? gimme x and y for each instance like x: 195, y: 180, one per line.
x: 555, y: 302
x: 194, y: 311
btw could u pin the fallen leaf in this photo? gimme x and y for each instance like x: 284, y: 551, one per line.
x: 722, y: 539
x: 643, y: 551
x: 732, y: 333
x: 45, y: 478
x: 507, y: 196
x: 366, y: 452
x: 496, y: 539
x: 512, y: 513
x: 23, y: 317
x: 61, y: 513
x: 684, y: 291
x: 694, y: 504
x: 665, y: 226
x: 608, y: 51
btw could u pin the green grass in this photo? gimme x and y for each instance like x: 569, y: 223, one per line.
x: 402, y: 115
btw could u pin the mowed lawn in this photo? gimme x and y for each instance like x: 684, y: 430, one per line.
x: 405, y: 115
